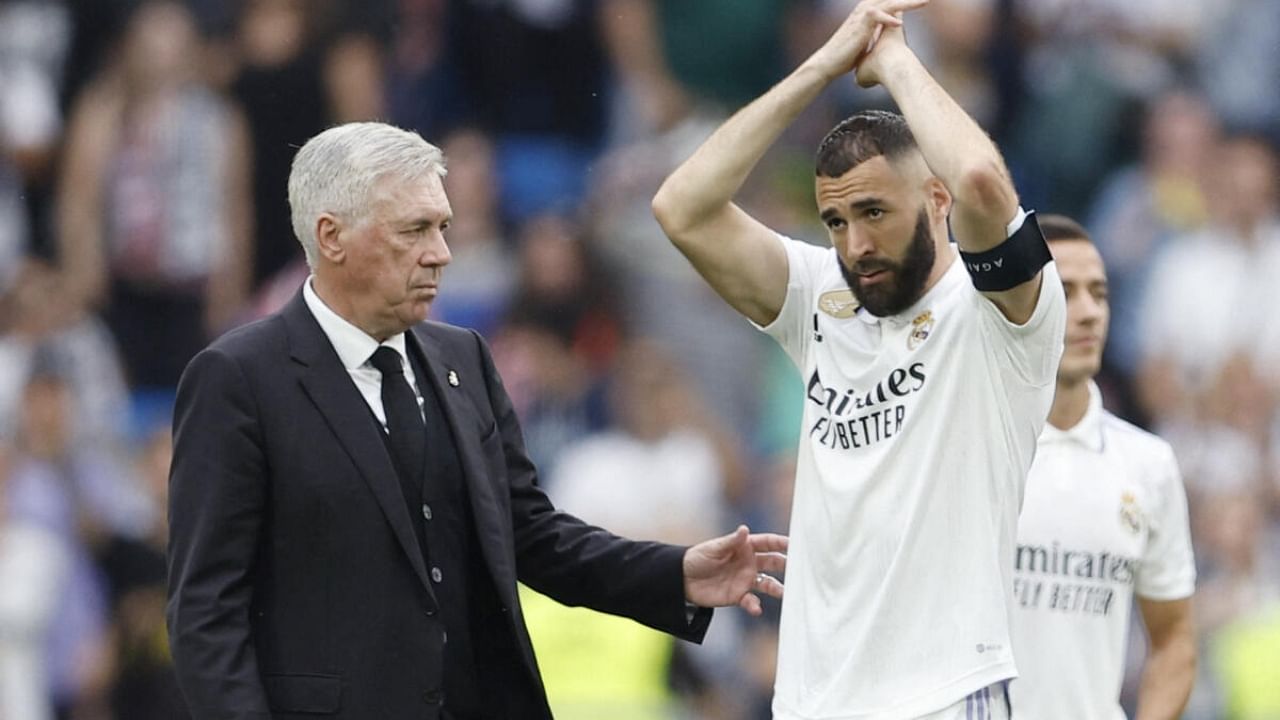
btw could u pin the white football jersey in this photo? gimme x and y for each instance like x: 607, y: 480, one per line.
x: 918, y: 432
x: 1105, y: 514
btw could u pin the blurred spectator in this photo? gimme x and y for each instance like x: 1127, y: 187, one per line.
x: 34, y: 38
x: 952, y: 38
x: 482, y: 274
x: 33, y: 572
x: 562, y: 287
x: 725, y: 63
x: 293, y: 79
x: 557, y: 340
x: 958, y: 37
x: 556, y: 397
x: 1142, y: 206
x: 41, y: 324
x: 657, y: 473
x: 656, y: 288
x: 155, y: 211
x: 1090, y: 65
x: 424, y: 91
x: 1238, y: 579
x: 535, y: 73
x: 280, y: 88
x: 96, y: 28
x: 1239, y: 61
x: 353, y: 79
x: 1211, y: 292
x: 72, y: 494
x: 144, y: 686
x: 676, y: 58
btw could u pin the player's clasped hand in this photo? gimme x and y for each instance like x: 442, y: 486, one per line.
x: 733, y: 568
x: 857, y: 35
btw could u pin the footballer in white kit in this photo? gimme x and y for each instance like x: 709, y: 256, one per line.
x: 918, y: 430
x: 1104, y: 517
x: 928, y: 372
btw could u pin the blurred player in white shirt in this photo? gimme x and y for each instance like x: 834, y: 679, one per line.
x: 1104, y: 517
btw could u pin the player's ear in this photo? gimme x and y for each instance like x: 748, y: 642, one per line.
x: 937, y: 198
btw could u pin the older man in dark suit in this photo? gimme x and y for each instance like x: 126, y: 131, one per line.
x: 351, y: 501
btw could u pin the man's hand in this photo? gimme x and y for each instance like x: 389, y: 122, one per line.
x: 858, y: 34
x: 727, y: 570
x: 889, y: 44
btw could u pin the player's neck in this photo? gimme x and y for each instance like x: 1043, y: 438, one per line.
x: 941, y: 263
x: 1070, y: 403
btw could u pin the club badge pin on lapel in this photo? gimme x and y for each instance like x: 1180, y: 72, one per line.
x: 453, y: 378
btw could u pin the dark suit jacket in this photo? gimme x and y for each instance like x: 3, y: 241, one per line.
x: 296, y: 585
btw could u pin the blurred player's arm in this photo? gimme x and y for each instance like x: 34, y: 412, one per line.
x: 232, y: 273
x: 738, y: 255
x: 91, y: 133
x: 959, y: 153
x: 1171, y: 665
x: 630, y: 30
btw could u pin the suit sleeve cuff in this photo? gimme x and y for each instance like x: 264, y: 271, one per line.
x: 698, y: 620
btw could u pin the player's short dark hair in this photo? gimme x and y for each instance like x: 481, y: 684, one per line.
x: 860, y: 137
x: 1061, y: 227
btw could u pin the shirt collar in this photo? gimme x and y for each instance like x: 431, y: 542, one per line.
x: 353, y: 345
x: 1087, y: 432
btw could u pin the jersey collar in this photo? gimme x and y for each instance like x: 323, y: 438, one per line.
x: 1086, y: 433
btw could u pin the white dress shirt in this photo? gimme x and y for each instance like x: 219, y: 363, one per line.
x: 354, y: 347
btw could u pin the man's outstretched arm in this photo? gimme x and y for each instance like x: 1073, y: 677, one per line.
x: 736, y: 254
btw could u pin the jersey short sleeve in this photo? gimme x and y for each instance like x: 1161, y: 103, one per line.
x: 1168, y: 570
x: 805, y: 265
x: 1029, y: 352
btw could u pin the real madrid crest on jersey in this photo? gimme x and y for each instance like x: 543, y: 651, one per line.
x: 921, y: 326
x: 1130, y: 513
x: 838, y: 303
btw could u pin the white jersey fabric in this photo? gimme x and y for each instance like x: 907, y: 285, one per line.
x: 1105, y: 515
x: 918, y: 432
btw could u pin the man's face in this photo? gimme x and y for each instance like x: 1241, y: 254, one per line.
x: 881, y: 232
x: 397, y: 253
x: 1084, y: 278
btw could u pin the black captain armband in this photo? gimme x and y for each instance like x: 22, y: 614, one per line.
x: 1012, y: 262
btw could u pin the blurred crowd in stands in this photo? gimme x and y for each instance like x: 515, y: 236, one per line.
x: 144, y: 151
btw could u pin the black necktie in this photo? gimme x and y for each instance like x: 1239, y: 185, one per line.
x: 404, y: 420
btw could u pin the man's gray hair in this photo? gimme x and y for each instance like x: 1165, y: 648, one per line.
x: 335, y: 172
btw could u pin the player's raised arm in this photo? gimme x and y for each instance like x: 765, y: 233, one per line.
x: 736, y: 254
x: 959, y: 153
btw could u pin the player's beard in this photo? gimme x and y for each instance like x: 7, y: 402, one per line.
x: 907, y: 278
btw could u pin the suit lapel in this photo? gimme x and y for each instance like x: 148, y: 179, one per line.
x: 329, y: 386
x: 463, y: 423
